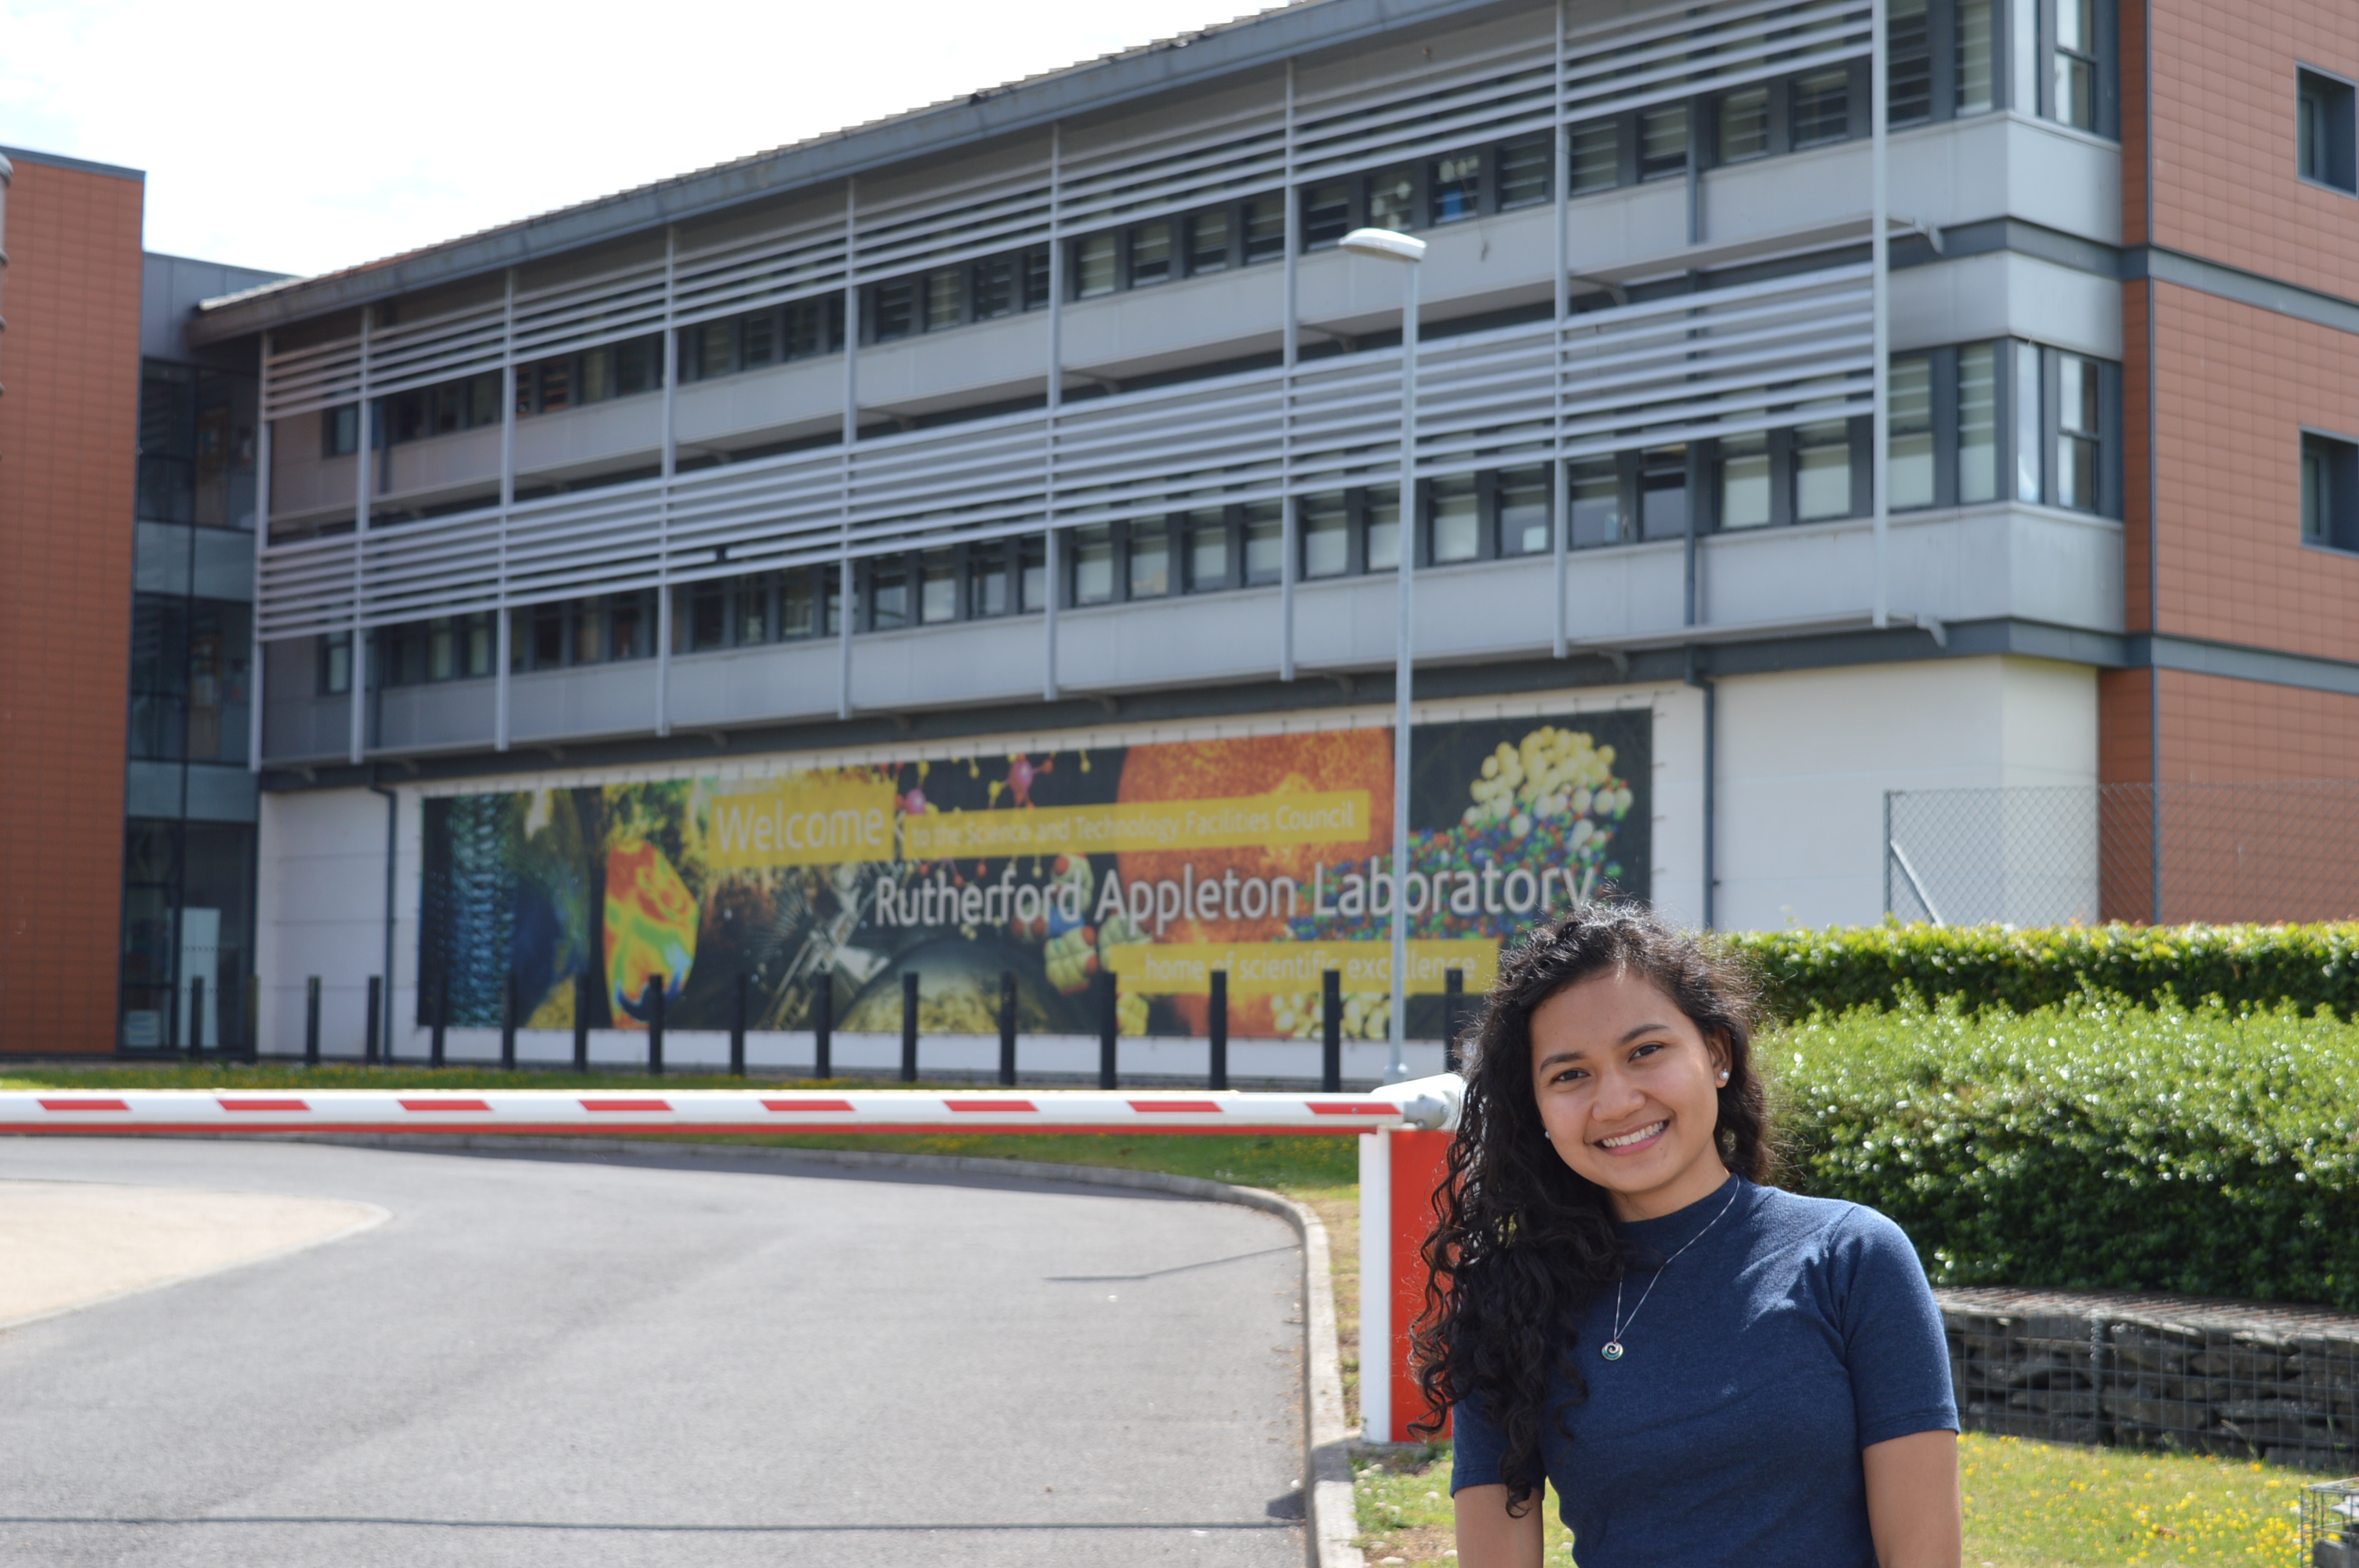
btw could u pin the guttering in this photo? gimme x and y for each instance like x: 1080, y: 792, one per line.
x: 392, y: 844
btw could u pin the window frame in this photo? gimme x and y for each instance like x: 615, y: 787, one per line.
x: 2337, y: 98
x: 2339, y: 530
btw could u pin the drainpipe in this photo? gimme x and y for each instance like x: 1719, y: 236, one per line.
x: 392, y: 844
x: 1701, y: 679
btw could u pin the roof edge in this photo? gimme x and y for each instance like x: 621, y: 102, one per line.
x: 79, y: 164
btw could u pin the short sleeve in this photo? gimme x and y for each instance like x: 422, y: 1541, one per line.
x: 1893, y: 1345
x: 1475, y: 1446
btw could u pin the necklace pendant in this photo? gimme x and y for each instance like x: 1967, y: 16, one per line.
x: 1613, y: 1350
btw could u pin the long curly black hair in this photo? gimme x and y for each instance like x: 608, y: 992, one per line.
x: 1521, y: 1243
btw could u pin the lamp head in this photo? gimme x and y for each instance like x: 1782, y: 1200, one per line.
x: 1385, y: 243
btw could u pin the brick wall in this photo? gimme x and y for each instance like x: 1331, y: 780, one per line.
x: 69, y: 432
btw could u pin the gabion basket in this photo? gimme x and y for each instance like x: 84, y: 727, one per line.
x: 2329, y: 1524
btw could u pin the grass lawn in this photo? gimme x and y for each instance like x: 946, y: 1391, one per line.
x: 2028, y: 1504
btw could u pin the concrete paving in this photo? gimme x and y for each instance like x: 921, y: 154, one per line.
x: 555, y: 1360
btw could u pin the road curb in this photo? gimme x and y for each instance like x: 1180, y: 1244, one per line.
x: 1330, y: 1521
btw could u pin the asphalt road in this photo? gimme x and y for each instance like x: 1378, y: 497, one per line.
x: 557, y: 1360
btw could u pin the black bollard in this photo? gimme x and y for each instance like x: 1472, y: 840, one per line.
x: 196, y: 1017
x: 1216, y: 1026
x: 1109, y: 1028
x: 376, y: 1014
x: 908, y: 1026
x: 738, y: 1030
x: 311, y: 1021
x: 441, y: 1023
x: 823, y: 1027
x: 582, y: 1022
x: 1453, y: 1014
x: 1330, y: 1032
x: 655, y: 1006
x: 1007, y: 1028
x: 508, y: 1025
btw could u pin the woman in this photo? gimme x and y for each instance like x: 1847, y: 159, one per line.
x: 1710, y: 1371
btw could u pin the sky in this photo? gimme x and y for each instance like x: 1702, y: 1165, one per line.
x: 305, y: 136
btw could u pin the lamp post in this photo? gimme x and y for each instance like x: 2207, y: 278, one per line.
x: 1387, y: 246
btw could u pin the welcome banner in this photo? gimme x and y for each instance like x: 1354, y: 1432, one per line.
x: 1267, y: 858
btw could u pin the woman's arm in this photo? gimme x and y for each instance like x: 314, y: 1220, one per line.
x: 1912, y: 1501
x: 1489, y: 1537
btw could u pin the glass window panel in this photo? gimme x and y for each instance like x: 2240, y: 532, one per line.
x: 1909, y: 464
x: 1524, y: 172
x: 1384, y: 528
x: 1093, y: 266
x: 939, y: 595
x: 996, y: 286
x: 336, y: 662
x: 1208, y: 549
x: 548, y: 639
x: 1744, y: 124
x: 2317, y: 498
x: 989, y: 566
x: 1597, y: 156
x: 2076, y: 25
x: 1034, y: 553
x: 2077, y: 414
x: 481, y: 643
x: 442, y: 649
x: 1911, y: 54
x: 2076, y: 402
x: 1595, y: 489
x: 1976, y: 67
x: 2026, y: 422
x: 589, y: 632
x: 1092, y: 565
x: 1150, y: 254
x: 630, y: 633
x: 598, y: 375
x: 1663, y: 140
x: 888, y: 593
x: 945, y: 298
x: 1208, y: 241
x: 716, y: 348
x: 1822, y: 107
x: 1392, y: 198
x: 1663, y: 493
x: 827, y: 585
x: 894, y: 308
x: 1978, y: 422
x: 639, y: 366
x: 1264, y: 532
x: 1036, y: 279
x: 1266, y: 228
x: 798, y: 601
x: 556, y: 385
x: 2076, y: 472
x: 1457, y: 187
x: 1524, y: 512
x: 1822, y: 470
x: 1745, y: 481
x: 1326, y: 522
x: 757, y: 338
x: 1326, y: 216
x: 1457, y: 533
x: 2076, y: 90
x: 1150, y: 560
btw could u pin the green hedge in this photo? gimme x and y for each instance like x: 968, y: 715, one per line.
x: 1991, y: 966
x: 2089, y: 1145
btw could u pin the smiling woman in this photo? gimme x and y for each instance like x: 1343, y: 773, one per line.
x: 1769, y: 1382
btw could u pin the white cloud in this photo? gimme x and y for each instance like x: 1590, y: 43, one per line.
x: 303, y: 137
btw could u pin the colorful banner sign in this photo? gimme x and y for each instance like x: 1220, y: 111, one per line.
x: 1265, y: 857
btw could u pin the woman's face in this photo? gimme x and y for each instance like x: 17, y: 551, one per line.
x: 1628, y: 1087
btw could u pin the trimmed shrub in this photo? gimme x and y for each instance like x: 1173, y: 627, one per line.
x: 1993, y: 966
x: 2090, y: 1145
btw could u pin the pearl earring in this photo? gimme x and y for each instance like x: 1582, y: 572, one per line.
x: 1724, y: 1079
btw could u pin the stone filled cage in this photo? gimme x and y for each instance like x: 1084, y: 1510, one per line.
x: 2233, y: 1379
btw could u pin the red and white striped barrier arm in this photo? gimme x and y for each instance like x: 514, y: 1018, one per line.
x: 655, y: 1110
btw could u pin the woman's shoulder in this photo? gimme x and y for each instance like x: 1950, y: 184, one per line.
x: 1835, y: 1224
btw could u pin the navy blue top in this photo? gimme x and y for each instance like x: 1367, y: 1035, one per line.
x: 1796, y: 1333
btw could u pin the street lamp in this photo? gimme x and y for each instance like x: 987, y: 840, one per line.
x: 1387, y: 246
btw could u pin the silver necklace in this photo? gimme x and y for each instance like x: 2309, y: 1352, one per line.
x: 1611, y: 1350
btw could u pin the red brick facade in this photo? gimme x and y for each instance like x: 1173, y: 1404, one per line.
x: 69, y: 440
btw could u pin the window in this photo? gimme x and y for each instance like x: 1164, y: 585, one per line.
x: 1596, y: 156
x: 997, y: 285
x: 893, y: 307
x: 1822, y: 107
x: 1208, y: 549
x: 1524, y: 173
x: 2324, y: 124
x: 1745, y: 488
x: 1093, y: 266
x: 1150, y: 254
x: 1663, y: 140
x: 945, y: 298
x: 1744, y: 124
x: 1911, y: 461
x: 1265, y: 229
x: 2079, y: 423
x: 987, y: 579
x: 1326, y: 522
x: 1977, y: 423
x: 1822, y: 470
x: 1033, y: 560
x: 1663, y: 493
x: 1456, y: 183
x: 1975, y: 54
x: 1910, y: 101
x: 1326, y: 214
x: 2330, y: 491
x: 1382, y: 528
x: 799, y: 597
x: 1455, y: 531
x: 1524, y: 505
x: 336, y: 663
x: 888, y: 593
x: 707, y: 617
x: 1263, y: 524
x: 340, y: 431
x: 1092, y: 559
x: 1595, y: 489
x: 938, y: 588
x: 1392, y: 200
x: 2075, y: 63
x: 2025, y: 394
x: 1150, y: 549
x: 1208, y: 242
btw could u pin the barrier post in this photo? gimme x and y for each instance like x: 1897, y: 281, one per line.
x: 375, y: 1018
x: 738, y: 1029
x: 1216, y: 1028
x: 655, y: 1006
x: 823, y: 1027
x: 908, y: 1026
x: 1007, y: 1028
x: 1330, y: 1032
x: 508, y: 1023
x: 582, y: 1022
x: 442, y: 1022
x: 1453, y: 1010
x: 196, y: 1017
x: 1109, y: 1028
x: 1400, y: 1170
x: 311, y: 1021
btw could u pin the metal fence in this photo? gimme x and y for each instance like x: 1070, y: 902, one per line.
x: 2167, y: 854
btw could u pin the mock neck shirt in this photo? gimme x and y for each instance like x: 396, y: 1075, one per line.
x: 1792, y: 1334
